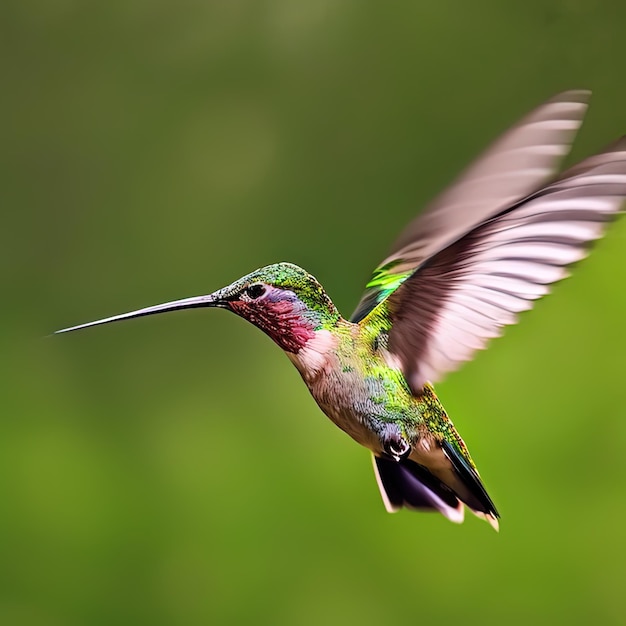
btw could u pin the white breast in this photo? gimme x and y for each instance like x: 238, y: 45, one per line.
x: 316, y: 355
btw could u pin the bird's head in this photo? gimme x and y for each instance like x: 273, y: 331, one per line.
x: 283, y: 300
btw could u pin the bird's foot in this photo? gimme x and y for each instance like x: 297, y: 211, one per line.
x: 394, y: 443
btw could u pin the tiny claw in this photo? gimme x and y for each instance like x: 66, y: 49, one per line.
x: 394, y: 443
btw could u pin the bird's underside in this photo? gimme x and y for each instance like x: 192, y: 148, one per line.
x: 420, y: 460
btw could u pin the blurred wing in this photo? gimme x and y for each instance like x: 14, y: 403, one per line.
x: 462, y: 296
x: 511, y: 168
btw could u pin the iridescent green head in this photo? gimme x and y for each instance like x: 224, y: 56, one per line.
x: 283, y: 300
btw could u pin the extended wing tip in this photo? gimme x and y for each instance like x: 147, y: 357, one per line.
x: 581, y: 96
x: 567, y: 106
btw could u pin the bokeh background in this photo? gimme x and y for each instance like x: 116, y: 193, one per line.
x: 174, y: 470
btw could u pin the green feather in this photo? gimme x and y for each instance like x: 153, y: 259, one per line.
x: 382, y: 284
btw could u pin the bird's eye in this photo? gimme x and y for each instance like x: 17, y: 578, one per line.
x: 255, y: 291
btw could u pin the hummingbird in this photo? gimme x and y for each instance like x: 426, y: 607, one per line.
x: 477, y: 256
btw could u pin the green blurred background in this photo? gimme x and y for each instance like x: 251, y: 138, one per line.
x: 174, y: 470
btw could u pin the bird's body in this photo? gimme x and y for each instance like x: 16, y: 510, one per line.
x: 356, y: 383
x: 468, y: 265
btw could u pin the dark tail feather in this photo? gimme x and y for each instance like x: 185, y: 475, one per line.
x: 405, y: 483
x: 408, y: 484
x: 479, y: 500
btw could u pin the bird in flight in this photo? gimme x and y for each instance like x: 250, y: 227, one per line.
x: 477, y: 256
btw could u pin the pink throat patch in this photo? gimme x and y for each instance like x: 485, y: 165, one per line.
x: 281, y: 320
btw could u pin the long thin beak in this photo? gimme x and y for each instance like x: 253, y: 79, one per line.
x: 211, y: 300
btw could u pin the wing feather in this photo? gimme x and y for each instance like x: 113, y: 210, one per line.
x: 463, y: 295
x: 512, y: 167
